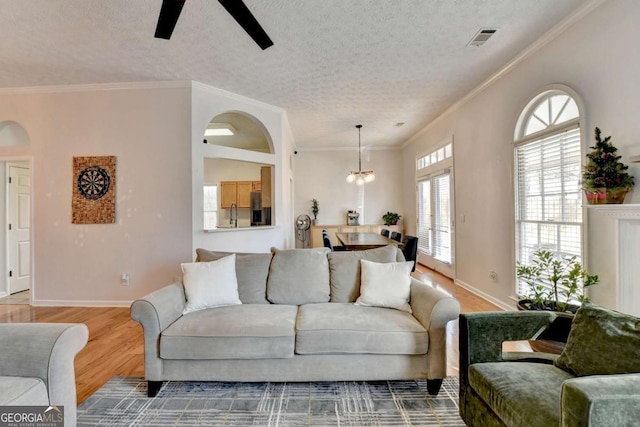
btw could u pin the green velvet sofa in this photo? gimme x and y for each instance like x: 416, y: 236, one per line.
x: 595, y: 382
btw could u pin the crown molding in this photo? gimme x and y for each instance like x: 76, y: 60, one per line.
x: 364, y: 148
x: 97, y: 87
x: 544, y: 40
x: 241, y: 98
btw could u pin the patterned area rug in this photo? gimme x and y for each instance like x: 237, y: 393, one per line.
x: 124, y: 402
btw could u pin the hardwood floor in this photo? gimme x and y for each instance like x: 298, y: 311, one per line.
x: 116, y: 346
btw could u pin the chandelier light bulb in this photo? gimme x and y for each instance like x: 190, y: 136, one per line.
x: 360, y: 177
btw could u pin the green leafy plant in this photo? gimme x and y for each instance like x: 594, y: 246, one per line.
x: 554, y: 281
x: 604, y: 168
x: 390, y: 218
x: 314, y: 208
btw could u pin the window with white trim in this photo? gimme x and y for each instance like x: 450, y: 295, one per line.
x: 547, y: 179
x: 210, y: 206
x: 434, y: 157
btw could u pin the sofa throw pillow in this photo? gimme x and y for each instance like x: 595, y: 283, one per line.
x: 601, y: 342
x: 251, y: 270
x: 210, y: 284
x: 298, y: 276
x: 344, y: 270
x: 385, y: 285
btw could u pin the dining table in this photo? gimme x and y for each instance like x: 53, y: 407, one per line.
x: 362, y: 241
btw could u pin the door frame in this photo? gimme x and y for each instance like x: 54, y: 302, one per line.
x: 428, y: 173
x: 8, y: 160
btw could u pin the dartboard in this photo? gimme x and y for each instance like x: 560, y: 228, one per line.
x: 93, y: 182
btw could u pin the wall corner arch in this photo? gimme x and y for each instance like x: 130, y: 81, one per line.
x: 13, y: 134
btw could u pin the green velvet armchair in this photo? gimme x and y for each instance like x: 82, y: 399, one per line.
x: 593, y: 383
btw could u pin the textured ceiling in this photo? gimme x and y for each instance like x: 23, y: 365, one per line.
x: 335, y: 63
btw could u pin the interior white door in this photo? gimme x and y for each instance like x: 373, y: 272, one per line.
x: 19, y: 229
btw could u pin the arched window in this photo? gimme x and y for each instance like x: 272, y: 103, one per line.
x: 547, y: 178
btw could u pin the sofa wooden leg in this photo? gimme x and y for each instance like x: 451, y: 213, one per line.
x: 153, y: 387
x: 433, y: 386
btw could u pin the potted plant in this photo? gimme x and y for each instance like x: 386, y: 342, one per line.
x: 314, y: 210
x: 604, y: 177
x: 390, y: 218
x: 555, y: 284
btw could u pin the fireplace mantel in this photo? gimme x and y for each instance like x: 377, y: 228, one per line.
x: 614, y: 251
x: 622, y: 210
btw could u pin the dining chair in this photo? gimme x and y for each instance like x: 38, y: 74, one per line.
x: 410, y: 249
x: 397, y: 236
x: 327, y: 241
x: 385, y: 232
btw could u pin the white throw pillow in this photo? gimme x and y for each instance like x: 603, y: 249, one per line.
x: 210, y: 284
x: 385, y: 284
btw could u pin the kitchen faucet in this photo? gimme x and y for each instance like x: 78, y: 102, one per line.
x: 233, y: 221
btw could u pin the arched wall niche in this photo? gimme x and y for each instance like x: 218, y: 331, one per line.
x: 12, y: 134
x: 248, y: 132
x: 240, y: 158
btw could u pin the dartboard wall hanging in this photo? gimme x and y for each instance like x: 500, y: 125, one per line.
x: 93, y: 182
x: 93, y: 199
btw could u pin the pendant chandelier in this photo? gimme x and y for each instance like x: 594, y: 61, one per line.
x: 360, y: 177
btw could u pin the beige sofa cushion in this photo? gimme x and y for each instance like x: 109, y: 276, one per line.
x: 23, y: 391
x: 251, y: 270
x: 344, y: 269
x: 332, y: 328
x: 247, y: 331
x: 298, y: 276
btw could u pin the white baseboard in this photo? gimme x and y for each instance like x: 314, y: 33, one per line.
x: 484, y: 295
x: 3, y: 294
x: 79, y: 303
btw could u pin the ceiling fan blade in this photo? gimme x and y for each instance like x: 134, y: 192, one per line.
x: 243, y: 16
x: 169, y: 14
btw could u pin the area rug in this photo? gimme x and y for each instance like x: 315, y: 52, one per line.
x: 123, y: 402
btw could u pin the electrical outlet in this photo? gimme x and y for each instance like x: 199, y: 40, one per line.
x: 493, y: 275
x: 124, y: 279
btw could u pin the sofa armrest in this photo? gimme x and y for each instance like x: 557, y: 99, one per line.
x: 46, y: 351
x: 601, y: 400
x: 434, y: 309
x: 155, y: 312
x: 482, y: 334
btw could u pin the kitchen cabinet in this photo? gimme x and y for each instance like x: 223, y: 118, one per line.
x: 228, y: 194
x: 265, y: 179
x: 238, y: 192
x: 244, y: 193
x: 256, y: 186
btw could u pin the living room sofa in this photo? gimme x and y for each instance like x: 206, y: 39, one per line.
x: 297, y: 321
x: 594, y: 382
x: 37, y: 365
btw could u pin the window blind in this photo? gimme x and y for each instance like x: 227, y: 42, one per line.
x: 442, y: 217
x: 424, y: 216
x: 210, y: 206
x: 548, y: 197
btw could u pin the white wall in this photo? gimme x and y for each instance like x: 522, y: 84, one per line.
x: 208, y: 102
x: 3, y: 230
x: 147, y: 127
x: 321, y: 175
x: 602, y: 66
